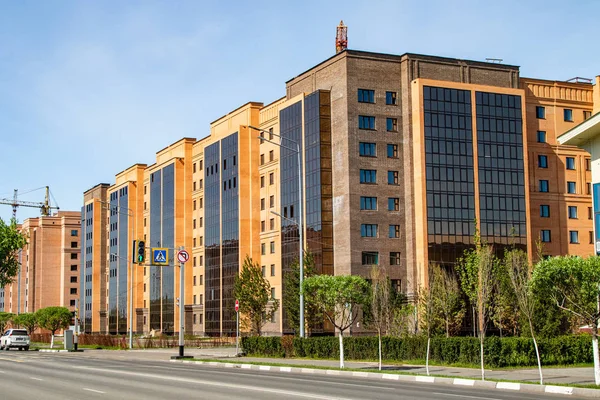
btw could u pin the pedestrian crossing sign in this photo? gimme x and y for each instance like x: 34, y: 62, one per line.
x: 160, y: 256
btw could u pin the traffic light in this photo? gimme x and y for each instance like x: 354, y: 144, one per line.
x: 141, y: 251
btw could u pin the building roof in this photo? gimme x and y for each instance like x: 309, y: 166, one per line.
x: 582, y: 133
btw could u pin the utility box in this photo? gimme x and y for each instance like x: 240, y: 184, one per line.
x: 68, y: 339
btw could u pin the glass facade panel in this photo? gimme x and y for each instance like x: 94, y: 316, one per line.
x: 212, y: 240
x: 501, y: 170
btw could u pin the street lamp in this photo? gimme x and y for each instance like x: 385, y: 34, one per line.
x: 129, y: 213
x: 300, y: 230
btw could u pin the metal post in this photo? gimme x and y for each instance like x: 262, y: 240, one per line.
x: 76, y: 330
x: 181, y: 303
x: 131, y: 304
x: 301, y: 244
x: 237, y: 332
x: 19, y: 282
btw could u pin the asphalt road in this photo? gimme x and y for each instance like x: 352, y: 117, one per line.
x: 48, y: 376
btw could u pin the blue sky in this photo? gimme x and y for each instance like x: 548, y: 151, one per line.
x: 88, y: 88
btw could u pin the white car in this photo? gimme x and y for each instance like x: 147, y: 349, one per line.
x: 16, y: 338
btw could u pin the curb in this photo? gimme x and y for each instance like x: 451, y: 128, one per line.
x: 504, y: 386
x: 52, y: 351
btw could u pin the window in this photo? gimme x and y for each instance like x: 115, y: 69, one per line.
x: 545, y: 235
x: 194, y: 223
x: 591, y: 237
x: 368, y: 230
x: 271, y: 178
x: 194, y: 185
x: 71, y: 303
x: 73, y: 256
x: 391, y: 98
x: 73, y: 245
x: 74, y: 232
x: 273, y: 293
x: 195, y: 281
x: 568, y: 114
x: 392, y: 177
x: 73, y: 279
x: 194, y: 167
x: 368, y: 203
x: 271, y: 155
x: 588, y: 164
x: 588, y: 188
x: 262, y: 181
x: 193, y: 208
x: 395, y: 258
x: 393, y: 204
x: 264, y: 271
x: 272, y: 247
x: 573, y: 236
x: 271, y: 201
x: 391, y: 124
x: 200, y: 183
x: 570, y: 163
x: 263, y: 249
x: 587, y: 114
x: 262, y: 204
x: 542, y: 161
x: 74, y: 267
x: 571, y: 187
x: 270, y: 133
x: 366, y: 96
x: 370, y: 258
x: 540, y: 112
x: 392, y: 151
x: 544, y: 211
x: 366, y: 122
x: 367, y: 149
x: 262, y: 226
x: 272, y: 224
x: 590, y: 213
x: 543, y: 185
x: 200, y: 222
x: 394, y: 231
x: 262, y: 159
x: 368, y: 176
x: 572, y: 212
x: 73, y: 290
x: 272, y: 269
x: 541, y: 136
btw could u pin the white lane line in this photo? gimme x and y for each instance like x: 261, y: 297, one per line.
x: 35, y: 379
x: 217, y: 384
x: 462, y: 396
x: 94, y: 390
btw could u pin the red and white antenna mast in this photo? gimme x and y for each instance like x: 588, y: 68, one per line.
x: 341, y: 37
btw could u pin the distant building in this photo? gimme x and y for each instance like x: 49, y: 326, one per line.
x: 49, y: 274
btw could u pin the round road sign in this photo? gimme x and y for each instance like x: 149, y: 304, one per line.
x: 183, y: 256
x: 237, y: 305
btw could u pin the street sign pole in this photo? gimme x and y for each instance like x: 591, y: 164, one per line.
x: 181, y: 303
x: 237, y: 327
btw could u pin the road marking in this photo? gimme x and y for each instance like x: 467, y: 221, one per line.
x: 428, y: 379
x: 462, y: 396
x: 464, y: 382
x: 559, y: 389
x: 508, y: 385
x: 264, y: 367
x: 94, y: 390
x: 35, y: 379
x: 217, y: 384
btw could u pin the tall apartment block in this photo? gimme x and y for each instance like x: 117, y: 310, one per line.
x: 399, y: 157
x: 49, y: 274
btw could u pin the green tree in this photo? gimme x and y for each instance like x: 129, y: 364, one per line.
x: 519, y: 271
x: 253, y: 292
x: 11, y: 240
x: 291, y: 296
x: 28, y: 321
x: 476, y: 270
x: 339, y: 298
x: 448, y: 299
x: 379, y: 309
x: 5, y: 319
x: 573, y: 283
x: 427, y: 310
x: 53, y: 319
x: 505, y: 312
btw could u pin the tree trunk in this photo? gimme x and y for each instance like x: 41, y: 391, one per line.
x: 596, y: 356
x: 52, y: 341
x: 537, y: 353
x: 341, y: 349
x: 447, y: 327
x: 481, y: 353
x: 379, y: 331
x: 427, y: 357
x: 474, y: 323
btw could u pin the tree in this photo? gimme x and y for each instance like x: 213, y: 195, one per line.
x: 253, y: 292
x: 447, y: 297
x: 427, y: 307
x: 519, y: 272
x: 53, y: 319
x: 11, y: 240
x: 380, y: 309
x: 573, y: 283
x: 291, y: 295
x: 338, y: 298
x: 27, y: 320
x: 5, y: 319
x: 476, y: 270
x: 505, y: 311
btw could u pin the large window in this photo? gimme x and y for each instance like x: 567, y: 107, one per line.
x: 368, y: 203
x: 366, y: 96
x: 545, y: 211
x: 368, y: 176
x: 368, y: 230
x: 367, y: 149
x: 366, y: 122
x: 370, y: 258
x: 570, y: 163
x: 543, y: 185
x: 542, y: 161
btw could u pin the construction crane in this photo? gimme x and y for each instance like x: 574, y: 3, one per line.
x: 45, y: 207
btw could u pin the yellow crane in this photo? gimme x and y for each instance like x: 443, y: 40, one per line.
x: 45, y: 206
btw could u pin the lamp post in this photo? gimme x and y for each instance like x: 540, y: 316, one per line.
x: 129, y: 213
x: 300, y: 200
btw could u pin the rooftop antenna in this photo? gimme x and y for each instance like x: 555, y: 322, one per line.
x: 341, y: 37
x: 494, y: 60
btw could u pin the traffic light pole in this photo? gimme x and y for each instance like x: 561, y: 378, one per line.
x: 181, y: 307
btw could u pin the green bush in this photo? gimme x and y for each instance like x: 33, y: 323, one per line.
x: 498, y: 352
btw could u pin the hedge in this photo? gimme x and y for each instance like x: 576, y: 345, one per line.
x: 498, y: 352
